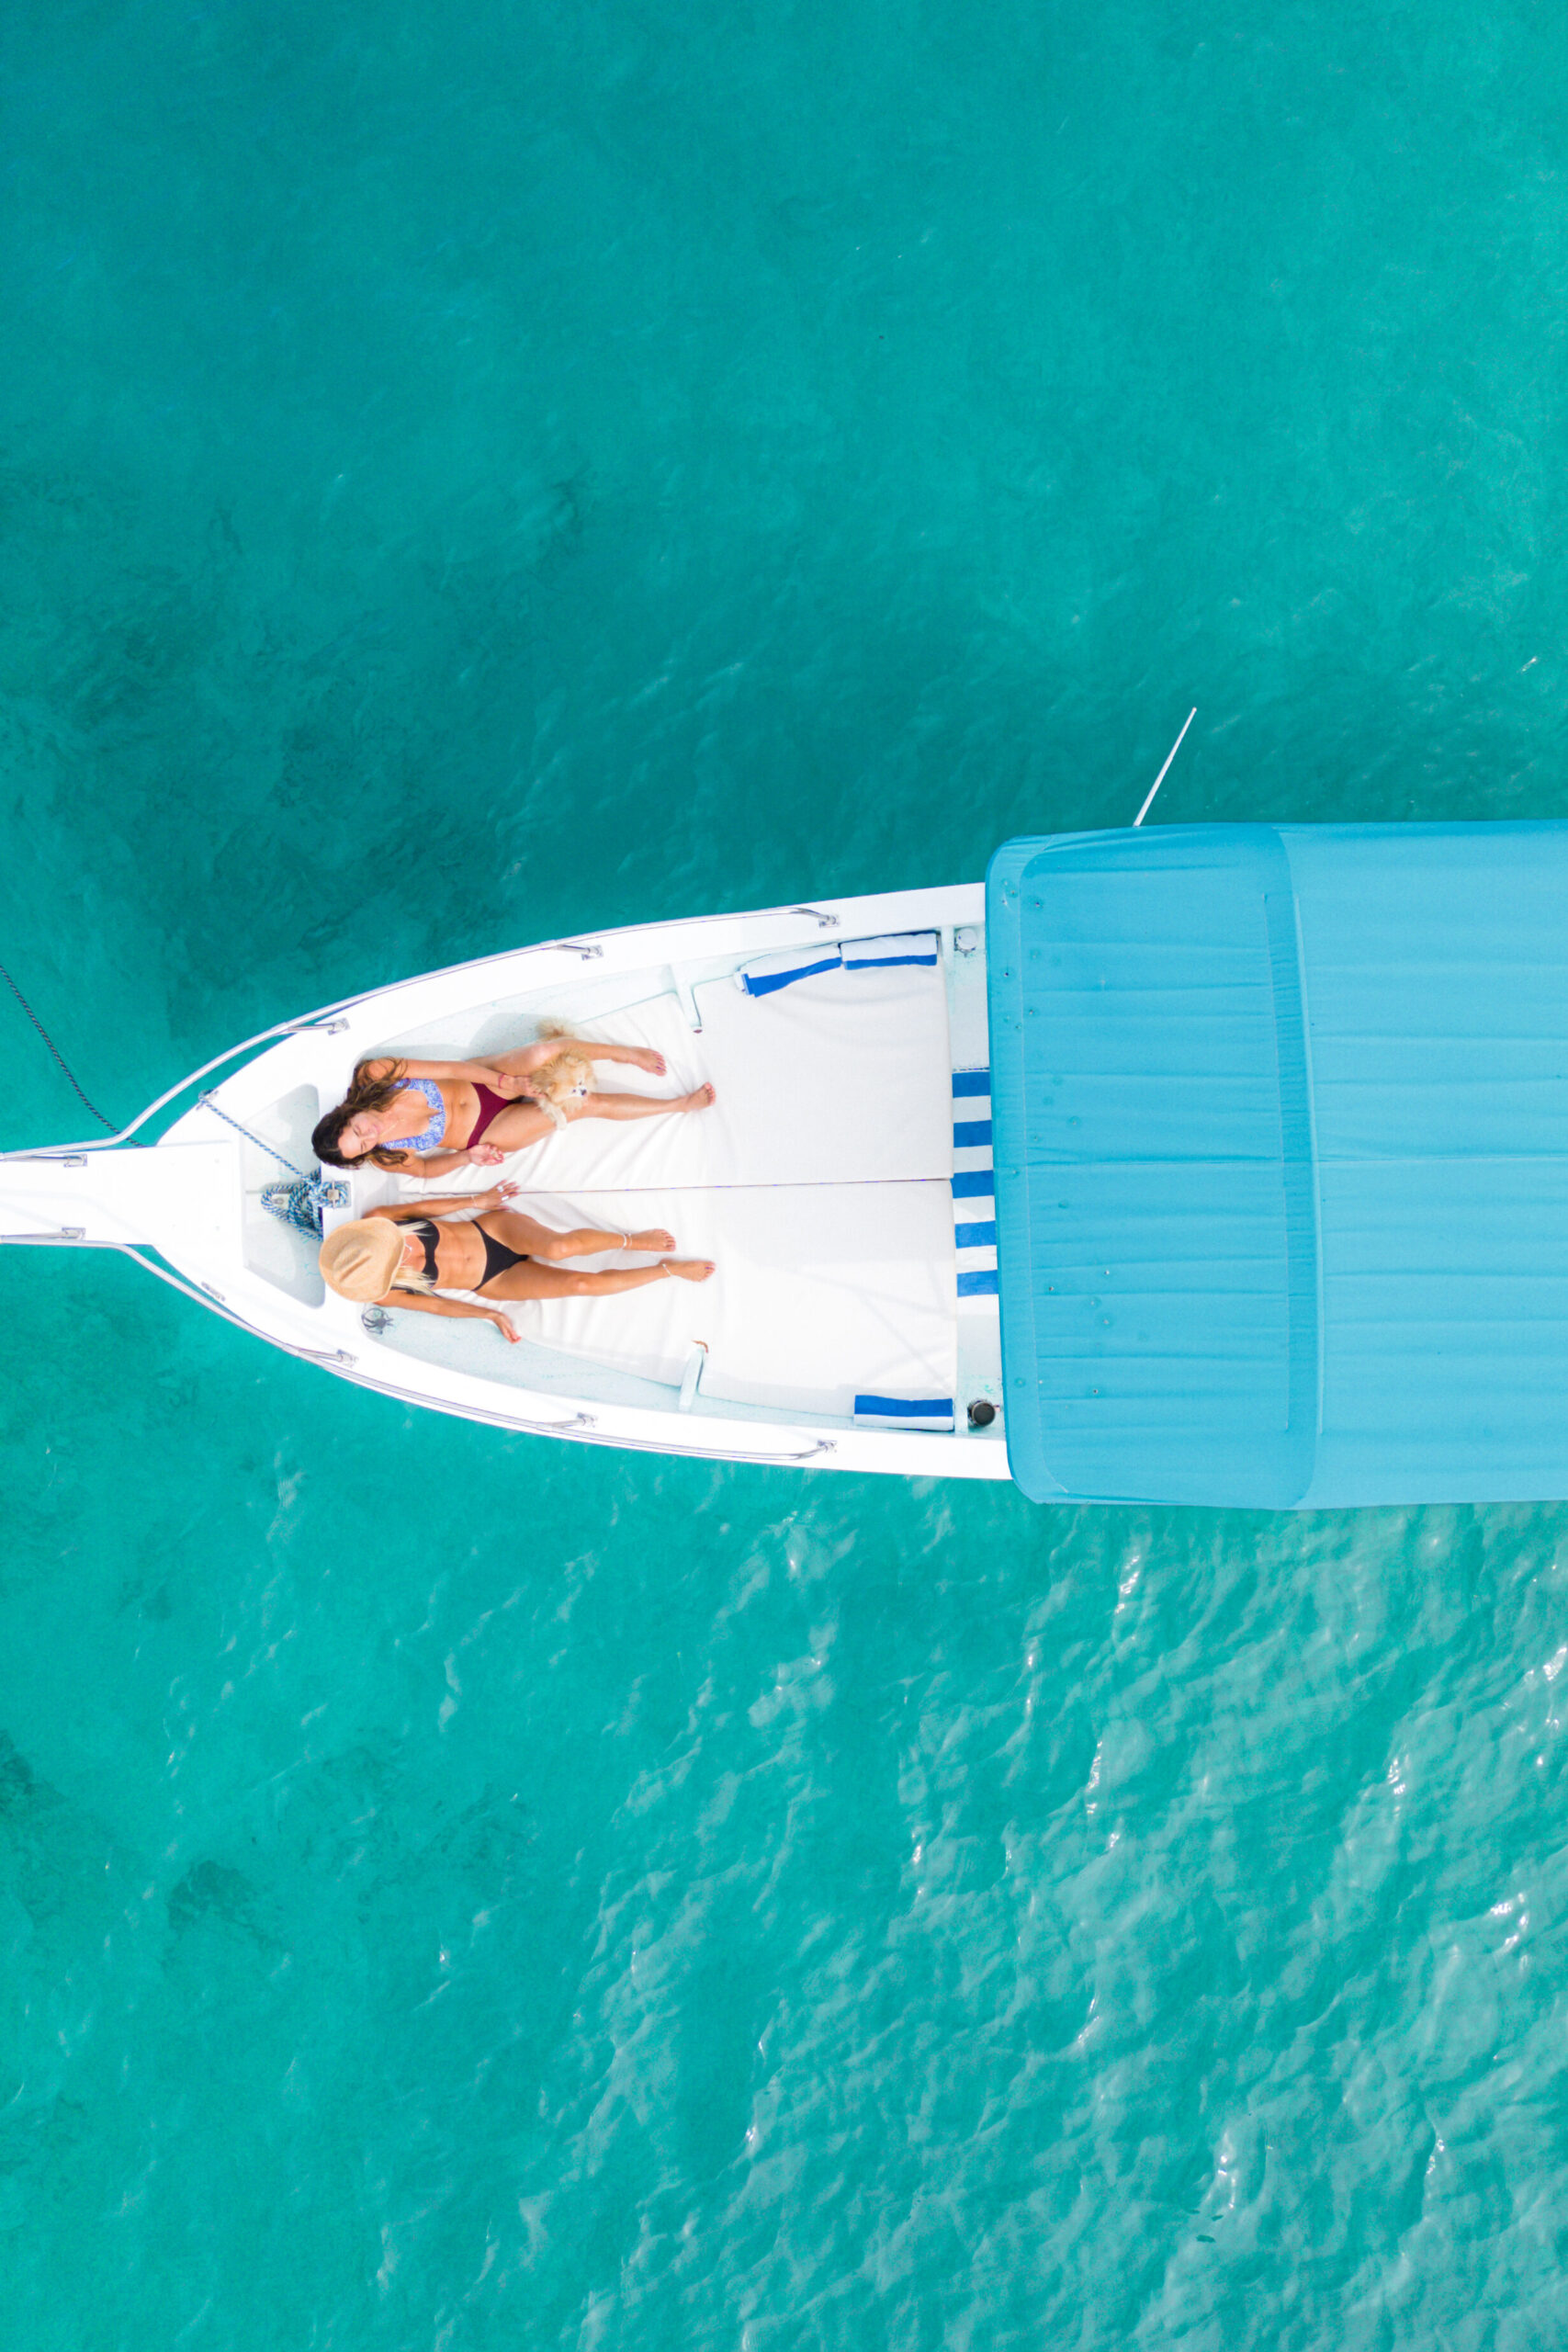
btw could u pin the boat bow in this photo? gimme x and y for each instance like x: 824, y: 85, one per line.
x: 181, y: 1199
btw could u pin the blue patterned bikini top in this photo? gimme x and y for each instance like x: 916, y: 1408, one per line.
x: 430, y: 1139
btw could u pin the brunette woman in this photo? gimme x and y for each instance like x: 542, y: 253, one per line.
x: 428, y: 1119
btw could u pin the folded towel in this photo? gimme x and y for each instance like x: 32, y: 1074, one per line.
x: 764, y: 973
x: 904, y: 1413
x: 899, y: 947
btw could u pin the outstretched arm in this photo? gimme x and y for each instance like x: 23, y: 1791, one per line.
x: 446, y: 1203
x: 431, y: 1164
x: 481, y: 1073
x: 424, y: 1302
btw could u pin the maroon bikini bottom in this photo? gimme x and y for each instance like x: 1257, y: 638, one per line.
x: 490, y: 1104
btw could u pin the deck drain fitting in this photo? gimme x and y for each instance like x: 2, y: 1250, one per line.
x: 982, y: 1413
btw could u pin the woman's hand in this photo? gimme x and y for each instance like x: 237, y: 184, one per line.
x: 505, y: 1326
x: 484, y: 1155
x: 504, y: 1082
x: 497, y: 1196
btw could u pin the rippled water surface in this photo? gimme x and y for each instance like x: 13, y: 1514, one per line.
x: 468, y: 474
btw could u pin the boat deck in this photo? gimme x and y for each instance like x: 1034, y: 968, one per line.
x: 821, y: 1183
x: 840, y: 1182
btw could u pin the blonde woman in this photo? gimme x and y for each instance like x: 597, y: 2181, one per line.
x: 409, y: 1255
x: 428, y: 1119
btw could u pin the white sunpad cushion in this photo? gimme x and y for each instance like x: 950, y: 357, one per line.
x: 765, y: 975
x: 605, y: 1154
x: 823, y: 1292
x: 821, y: 1083
x: 833, y: 1081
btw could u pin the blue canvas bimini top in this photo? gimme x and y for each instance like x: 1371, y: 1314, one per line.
x: 1282, y: 1162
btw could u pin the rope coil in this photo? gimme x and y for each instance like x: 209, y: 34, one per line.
x: 299, y: 1203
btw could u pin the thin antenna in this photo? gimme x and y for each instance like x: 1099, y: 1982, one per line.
x: 1165, y: 770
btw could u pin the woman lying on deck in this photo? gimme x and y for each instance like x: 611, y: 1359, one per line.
x: 429, y: 1119
x: 405, y: 1257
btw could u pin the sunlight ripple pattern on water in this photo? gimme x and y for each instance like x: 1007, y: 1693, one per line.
x: 471, y: 475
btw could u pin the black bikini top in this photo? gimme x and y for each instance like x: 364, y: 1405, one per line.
x: 425, y: 1232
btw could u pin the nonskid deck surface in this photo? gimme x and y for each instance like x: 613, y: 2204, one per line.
x: 822, y: 1181
x: 819, y: 1182
x: 836, y: 1181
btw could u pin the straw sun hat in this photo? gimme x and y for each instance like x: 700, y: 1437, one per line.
x: 360, y: 1260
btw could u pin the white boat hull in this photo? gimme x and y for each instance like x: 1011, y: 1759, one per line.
x: 192, y: 1199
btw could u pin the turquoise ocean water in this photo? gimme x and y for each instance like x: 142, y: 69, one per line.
x: 468, y: 474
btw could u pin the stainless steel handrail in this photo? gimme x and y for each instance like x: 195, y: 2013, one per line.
x: 71, y: 1237
x: 333, y: 1359
x: 582, y: 1427
x: 109, y: 1143
x: 325, y: 1017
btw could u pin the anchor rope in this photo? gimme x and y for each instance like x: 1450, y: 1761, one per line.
x: 209, y: 1104
x: 54, y: 1049
x: 300, y: 1203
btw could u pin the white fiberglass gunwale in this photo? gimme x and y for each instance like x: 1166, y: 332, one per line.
x: 583, y: 978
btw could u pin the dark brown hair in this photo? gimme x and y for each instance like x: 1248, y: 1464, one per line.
x: 364, y: 1094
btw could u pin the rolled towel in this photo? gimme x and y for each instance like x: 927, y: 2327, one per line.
x: 897, y: 947
x: 904, y: 1413
x: 764, y: 974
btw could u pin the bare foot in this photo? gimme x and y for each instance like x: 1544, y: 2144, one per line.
x: 652, y: 1241
x: 698, y: 1099
x: 643, y: 1058
x: 691, y: 1270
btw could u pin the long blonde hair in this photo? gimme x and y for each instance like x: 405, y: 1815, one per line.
x: 412, y: 1277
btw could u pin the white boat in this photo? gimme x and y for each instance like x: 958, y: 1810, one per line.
x: 1279, y: 1214
x: 852, y: 1322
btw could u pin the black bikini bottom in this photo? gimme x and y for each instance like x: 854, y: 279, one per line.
x: 498, y: 1258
